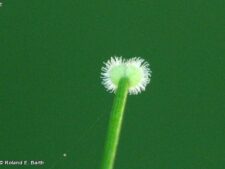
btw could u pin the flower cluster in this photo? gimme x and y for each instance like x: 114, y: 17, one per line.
x: 135, y: 69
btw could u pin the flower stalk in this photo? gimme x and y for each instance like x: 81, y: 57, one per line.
x: 115, y: 124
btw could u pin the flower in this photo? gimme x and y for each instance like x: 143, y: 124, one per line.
x: 135, y: 69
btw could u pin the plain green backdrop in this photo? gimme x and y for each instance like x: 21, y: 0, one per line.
x: 52, y: 101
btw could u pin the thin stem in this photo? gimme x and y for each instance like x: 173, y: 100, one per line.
x: 115, y: 124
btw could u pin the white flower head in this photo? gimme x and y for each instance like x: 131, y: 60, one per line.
x: 135, y: 69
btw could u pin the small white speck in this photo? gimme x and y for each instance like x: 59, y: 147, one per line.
x: 64, y: 155
x: 0, y: 4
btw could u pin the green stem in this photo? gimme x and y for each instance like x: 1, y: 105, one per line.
x: 115, y: 124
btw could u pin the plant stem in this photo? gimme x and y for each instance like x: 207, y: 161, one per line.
x: 115, y: 124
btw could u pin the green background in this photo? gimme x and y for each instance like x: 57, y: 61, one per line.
x: 52, y: 101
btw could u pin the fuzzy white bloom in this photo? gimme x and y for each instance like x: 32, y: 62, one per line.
x: 135, y: 69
